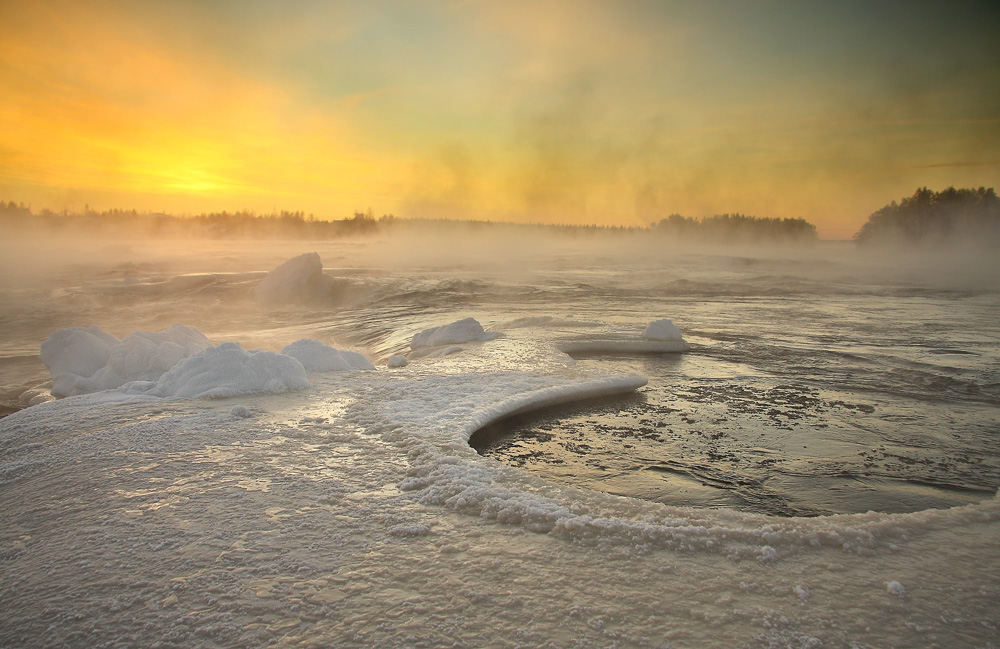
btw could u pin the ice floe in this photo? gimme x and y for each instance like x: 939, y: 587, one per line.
x: 662, y: 330
x: 447, y: 339
x: 456, y: 333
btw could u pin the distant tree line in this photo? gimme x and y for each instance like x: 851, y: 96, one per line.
x: 17, y: 218
x: 738, y: 228
x: 724, y: 228
x: 928, y: 217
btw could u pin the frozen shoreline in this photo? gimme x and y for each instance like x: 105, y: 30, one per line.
x: 354, y: 513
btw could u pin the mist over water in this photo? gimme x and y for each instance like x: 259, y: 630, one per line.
x: 821, y: 380
x: 820, y: 383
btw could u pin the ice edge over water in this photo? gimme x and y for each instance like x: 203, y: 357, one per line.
x: 432, y: 418
x: 431, y: 415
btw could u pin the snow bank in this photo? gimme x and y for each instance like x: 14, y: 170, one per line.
x: 456, y: 333
x: 87, y: 359
x: 662, y: 330
x: 319, y: 357
x: 298, y: 279
x: 225, y: 371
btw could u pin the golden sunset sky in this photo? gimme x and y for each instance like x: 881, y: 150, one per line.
x: 562, y: 111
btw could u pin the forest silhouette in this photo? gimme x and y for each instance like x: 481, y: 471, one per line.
x: 926, y: 218
x: 934, y: 218
x: 16, y: 218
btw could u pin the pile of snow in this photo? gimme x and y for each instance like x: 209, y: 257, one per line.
x: 319, y: 357
x: 297, y: 280
x: 456, y: 333
x: 86, y: 359
x: 224, y: 371
x: 662, y: 330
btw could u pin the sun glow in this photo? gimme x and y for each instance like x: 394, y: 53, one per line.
x: 552, y: 111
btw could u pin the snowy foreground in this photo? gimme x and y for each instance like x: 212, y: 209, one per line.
x: 353, y: 513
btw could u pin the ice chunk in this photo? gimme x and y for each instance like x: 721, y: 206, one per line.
x: 297, y: 280
x: 659, y: 337
x: 320, y: 357
x: 662, y: 330
x: 224, y: 371
x: 396, y: 360
x: 456, y: 333
x: 86, y: 359
x: 240, y: 412
x: 34, y: 396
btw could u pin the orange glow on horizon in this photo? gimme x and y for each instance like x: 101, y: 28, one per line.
x: 556, y: 112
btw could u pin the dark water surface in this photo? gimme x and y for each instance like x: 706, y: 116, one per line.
x: 792, y: 405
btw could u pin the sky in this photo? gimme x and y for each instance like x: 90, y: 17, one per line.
x: 559, y: 111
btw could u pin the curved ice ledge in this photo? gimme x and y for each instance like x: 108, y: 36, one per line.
x: 559, y: 395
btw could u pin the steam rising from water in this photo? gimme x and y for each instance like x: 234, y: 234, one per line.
x: 358, y: 495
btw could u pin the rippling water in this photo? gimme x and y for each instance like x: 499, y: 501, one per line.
x: 816, y: 384
x: 353, y: 514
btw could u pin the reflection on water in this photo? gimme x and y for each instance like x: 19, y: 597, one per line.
x: 709, y: 433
